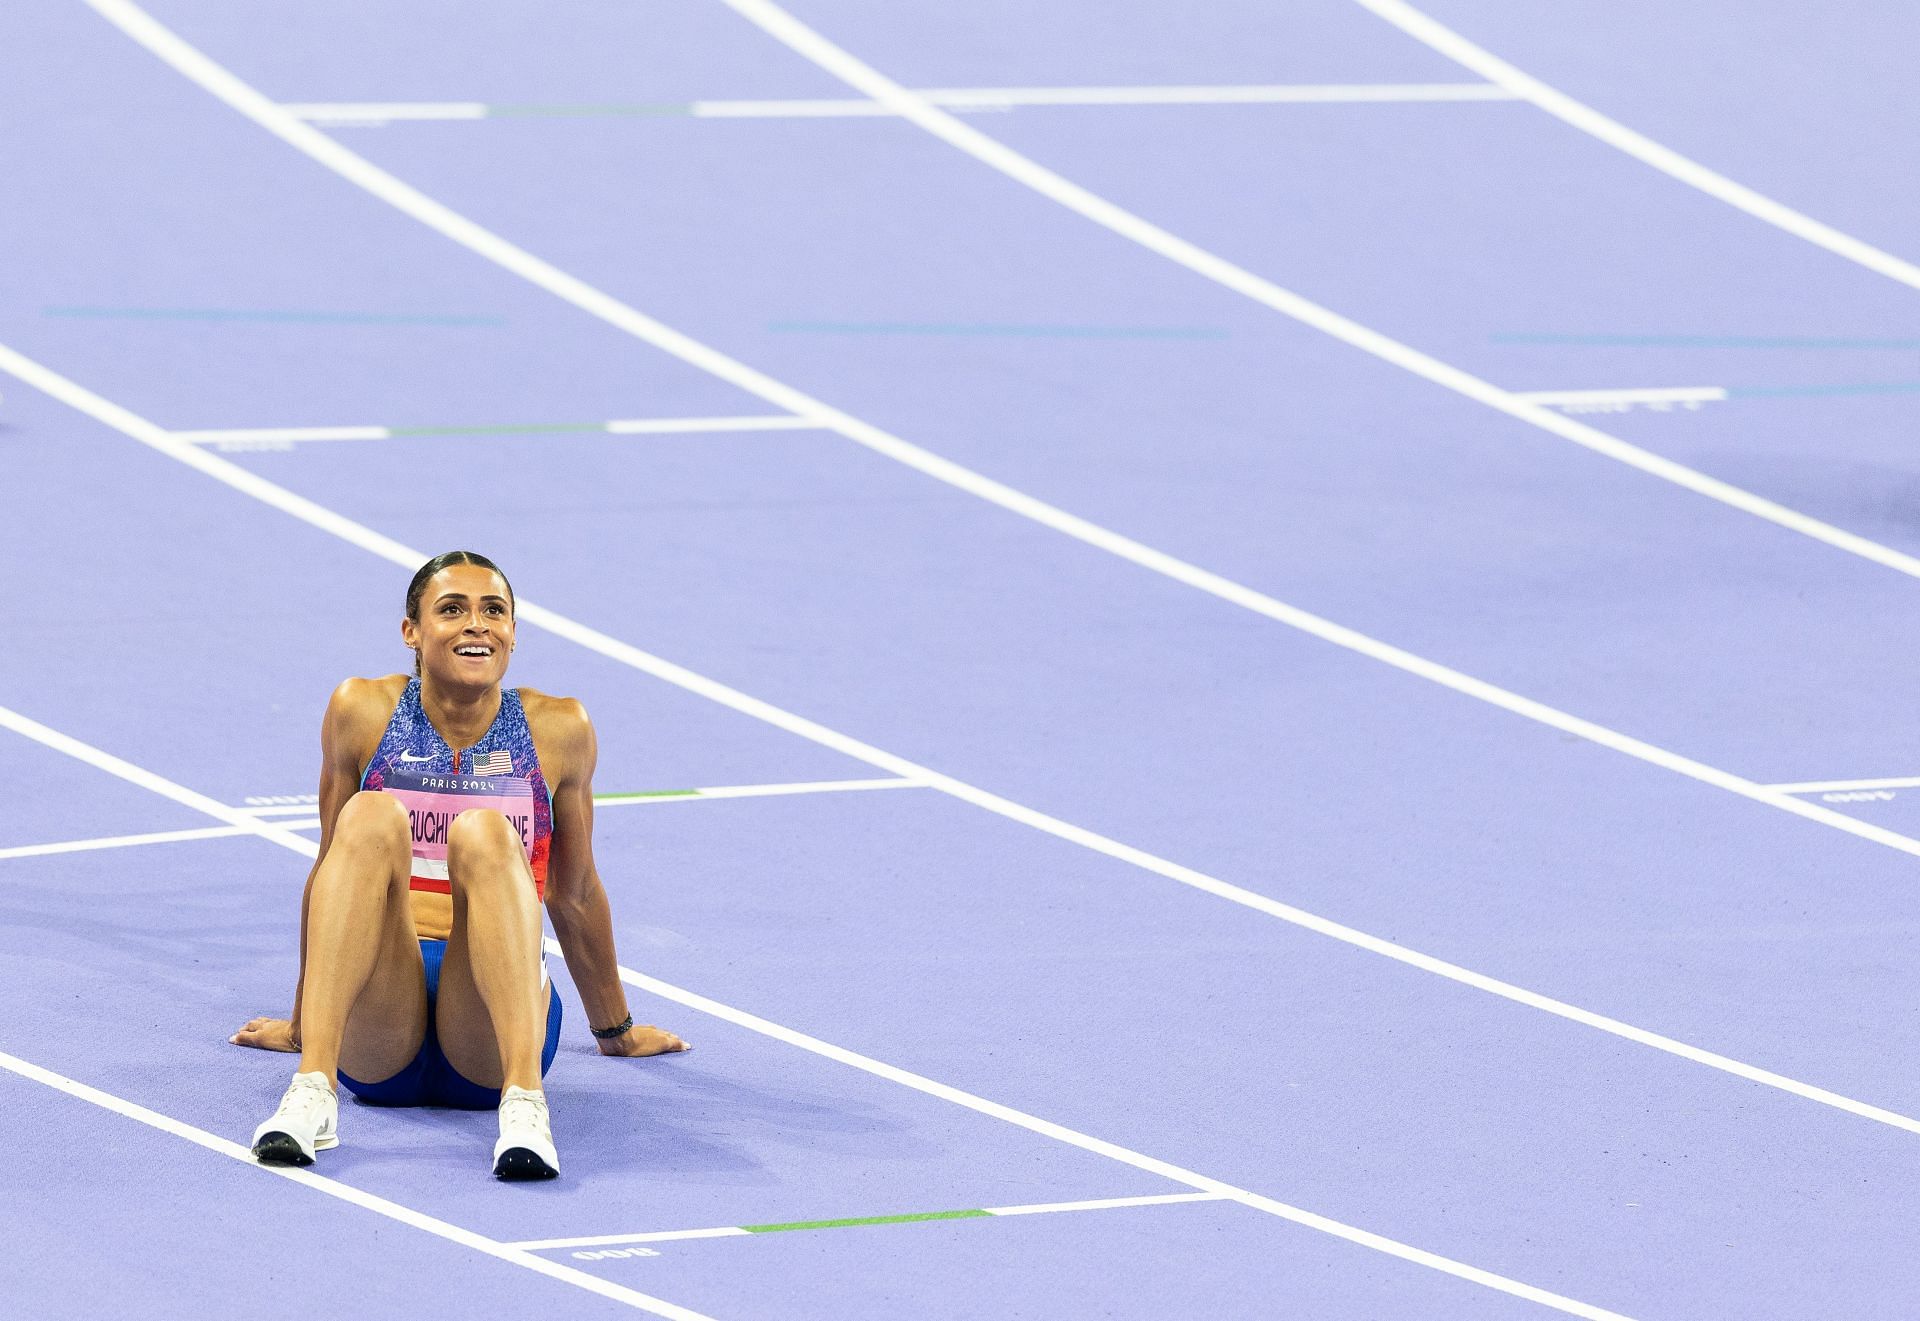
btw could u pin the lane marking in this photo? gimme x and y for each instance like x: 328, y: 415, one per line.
x: 341, y: 114
x: 1660, y: 399
x: 1637, y: 145
x: 318, y: 516
x: 754, y: 791
x: 911, y: 1217
x: 804, y: 41
x: 311, y: 822
x: 308, y: 849
x: 121, y: 841
x: 1840, y: 786
x: 627, y: 426
x: 347, y: 1193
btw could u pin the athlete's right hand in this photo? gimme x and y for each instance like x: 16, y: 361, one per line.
x: 267, y: 1034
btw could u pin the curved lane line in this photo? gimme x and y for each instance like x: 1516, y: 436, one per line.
x: 221, y: 83
x: 306, y: 848
x: 138, y: 428
x: 783, y: 27
x: 1637, y: 145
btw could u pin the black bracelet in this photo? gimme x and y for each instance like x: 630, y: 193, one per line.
x: 616, y: 1030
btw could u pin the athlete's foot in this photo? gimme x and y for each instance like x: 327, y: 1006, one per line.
x: 307, y: 1121
x: 525, y: 1149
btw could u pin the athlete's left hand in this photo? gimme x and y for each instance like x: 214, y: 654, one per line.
x: 642, y: 1039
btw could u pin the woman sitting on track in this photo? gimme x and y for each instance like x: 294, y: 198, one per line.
x: 450, y: 809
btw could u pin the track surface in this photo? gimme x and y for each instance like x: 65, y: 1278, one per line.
x: 172, y: 258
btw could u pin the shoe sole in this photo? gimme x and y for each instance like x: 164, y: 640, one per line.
x: 518, y: 1164
x: 279, y: 1148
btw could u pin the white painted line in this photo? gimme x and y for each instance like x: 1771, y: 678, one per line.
x: 307, y: 848
x: 347, y: 1193
x: 615, y: 1240
x: 1102, y: 1204
x: 126, y: 770
x: 623, y: 426
x: 1841, y: 786
x: 731, y: 1231
x: 943, y: 125
x: 537, y: 616
x: 669, y: 426
x: 376, y: 113
x: 1637, y: 145
x: 121, y: 841
x: 311, y: 822
x: 755, y: 791
x: 988, y: 98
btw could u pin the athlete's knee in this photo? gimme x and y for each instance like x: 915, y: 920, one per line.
x: 481, y: 835
x: 372, y: 819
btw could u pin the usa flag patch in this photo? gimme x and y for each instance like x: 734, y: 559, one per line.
x: 497, y: 762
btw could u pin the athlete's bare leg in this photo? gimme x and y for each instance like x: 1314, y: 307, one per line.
x: 491, y: 1015
x: 364, y: 1004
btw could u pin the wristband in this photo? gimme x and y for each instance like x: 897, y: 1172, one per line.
x: 617, y: 1029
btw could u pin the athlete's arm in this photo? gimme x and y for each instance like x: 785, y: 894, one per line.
x: 576, y: 900
x: 343, y: 736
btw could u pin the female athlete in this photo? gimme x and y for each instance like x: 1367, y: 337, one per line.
x: 450, y: 809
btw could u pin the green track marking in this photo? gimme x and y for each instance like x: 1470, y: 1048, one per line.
x: 865, y: 1220
x: 661, y: 108
x: 650, y: 793
x: 527, y: 428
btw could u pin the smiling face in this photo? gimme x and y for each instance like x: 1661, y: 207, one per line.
x: 465, y: 627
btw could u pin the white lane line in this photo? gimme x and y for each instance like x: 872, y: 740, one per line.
x: 623, y: 426
x: 1101, y: 1204
x: 728, y: 1231
x: 963, y: 98
x: 220, y: 83
x: 311, y: 822
x: 1660, y: 398
x: 137, y: 428
x: 380, y: 112
x: 1841, y: 786
x: 291, y: 435
x: 669, y: 426
x: 995, y: 154
x: 1637, y: 145
x: 307, y: 848
x: 755, y: 791
x: 121, y: 841
x: 347, y: 1193
x: 377, y: 113
x: 615, y: 1240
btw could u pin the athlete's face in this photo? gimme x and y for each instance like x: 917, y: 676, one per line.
x: 465, y: 629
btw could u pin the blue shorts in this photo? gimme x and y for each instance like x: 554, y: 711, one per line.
x: 429, y: 1079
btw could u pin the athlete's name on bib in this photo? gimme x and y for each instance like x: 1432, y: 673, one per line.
x: 431, y: 827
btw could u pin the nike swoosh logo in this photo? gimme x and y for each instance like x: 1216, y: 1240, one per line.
x: 408, y: 756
